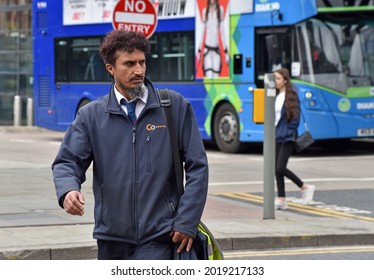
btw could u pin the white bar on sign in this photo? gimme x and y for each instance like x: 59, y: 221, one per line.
x: 135, y: 18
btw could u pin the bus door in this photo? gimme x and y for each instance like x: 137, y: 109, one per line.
x: 61, y: 86
x: 272, y: 51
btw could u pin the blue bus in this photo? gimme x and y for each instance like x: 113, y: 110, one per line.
x: 214, y: 52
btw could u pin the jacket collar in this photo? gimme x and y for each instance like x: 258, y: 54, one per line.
x: 152, y: 102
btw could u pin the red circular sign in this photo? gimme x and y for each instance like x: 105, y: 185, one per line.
x: 135, y: 15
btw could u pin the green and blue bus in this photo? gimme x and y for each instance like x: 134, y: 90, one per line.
x: 215, y: 57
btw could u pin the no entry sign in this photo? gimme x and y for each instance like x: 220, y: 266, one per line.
x: 135, y: 15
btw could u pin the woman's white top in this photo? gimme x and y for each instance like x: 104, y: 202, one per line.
x: 279, y: 101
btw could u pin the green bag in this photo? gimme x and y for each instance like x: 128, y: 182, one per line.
x: 204, y: 247
x: 214, y: 251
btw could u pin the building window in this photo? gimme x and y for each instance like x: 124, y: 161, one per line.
x: 15, y: 56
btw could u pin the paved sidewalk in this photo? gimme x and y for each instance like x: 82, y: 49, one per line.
x: 237, y: 227
x: 33, y: 227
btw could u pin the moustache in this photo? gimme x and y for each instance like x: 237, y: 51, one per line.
x: 137, y: 78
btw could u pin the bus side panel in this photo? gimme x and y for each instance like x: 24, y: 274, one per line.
x: 331, y: 115
x: 43, y: 62
x: 316, y: 112
x: 197, y: 94
x: 242, y: 42
x: 354, y: 116
x: 69, y: 98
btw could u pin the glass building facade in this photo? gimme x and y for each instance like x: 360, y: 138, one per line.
x: 15, y: 57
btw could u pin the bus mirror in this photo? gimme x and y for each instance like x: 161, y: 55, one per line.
x: 295, y: 69
x: 238, y: 64
x: 259, y: 105
x: 272, y: 48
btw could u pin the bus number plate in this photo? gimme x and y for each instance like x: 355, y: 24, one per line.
x: 365, y: 132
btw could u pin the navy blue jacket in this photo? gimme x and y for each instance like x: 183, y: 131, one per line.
x: 134, y: 182
x: 286, y: 131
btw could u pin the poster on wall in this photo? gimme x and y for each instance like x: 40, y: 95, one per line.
x: 168, y: 9
x: 212, y: 39
x: 78, y: 12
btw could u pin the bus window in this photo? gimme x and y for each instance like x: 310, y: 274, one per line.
x: 174, y: 54
x: 361, y: 60
x: 61, y: 60
x: 323, y: 42
x: 368, y: 47
x: 336, y: 54
x: 273, y: 50
x: 94, y: 68
x: 321, y: 62
x: 86, y: 64
x: 78, y: 60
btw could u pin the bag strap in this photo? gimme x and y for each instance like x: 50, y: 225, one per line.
x: 302, y: 115
x: 215, y: 250
x: 166, y: 104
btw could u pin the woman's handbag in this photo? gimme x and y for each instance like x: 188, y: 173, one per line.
x: 205, y: 246
x: 305, y: 139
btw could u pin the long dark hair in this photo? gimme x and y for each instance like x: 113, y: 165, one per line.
x: 218, y: 11
x: 292, y: 100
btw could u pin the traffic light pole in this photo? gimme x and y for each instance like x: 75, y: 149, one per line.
x: 269, y: 146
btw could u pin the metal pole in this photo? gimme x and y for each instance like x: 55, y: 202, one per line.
x: 30, y: 110
x: 17, y: 110
x: 269, y: 146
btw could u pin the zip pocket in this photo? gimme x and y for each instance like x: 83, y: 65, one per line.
x: 171, y: 207
x: 148, y: 148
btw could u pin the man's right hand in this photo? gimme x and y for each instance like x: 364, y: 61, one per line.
x: 74, y: 203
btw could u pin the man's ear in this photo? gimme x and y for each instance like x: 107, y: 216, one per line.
x: 109, y: 68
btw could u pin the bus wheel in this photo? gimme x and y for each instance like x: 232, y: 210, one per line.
x: 82, y: 103
x: 226, y: 129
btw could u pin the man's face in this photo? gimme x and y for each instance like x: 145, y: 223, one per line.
x: 128, y: 73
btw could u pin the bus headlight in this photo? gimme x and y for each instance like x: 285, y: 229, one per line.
x: 308, y: 95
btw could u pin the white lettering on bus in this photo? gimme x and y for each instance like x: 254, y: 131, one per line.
x: 267, y: 7
x: 41, y: 5
x: 365, y: 105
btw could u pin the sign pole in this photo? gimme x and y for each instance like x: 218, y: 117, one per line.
x: 269, y: 146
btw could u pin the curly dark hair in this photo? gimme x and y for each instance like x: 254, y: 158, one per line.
x: 121, y: 40
x: 292, y: 102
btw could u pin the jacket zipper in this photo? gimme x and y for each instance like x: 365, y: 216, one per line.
x: 147, y: 140
x: 133, y: 135
x: 134, y: 169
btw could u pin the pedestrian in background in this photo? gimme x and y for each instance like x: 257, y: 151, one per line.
x: 287, y: 119
x: 134, y: 181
